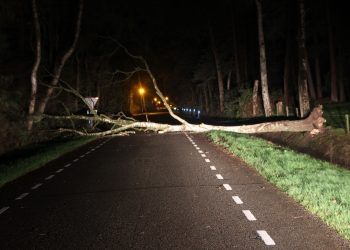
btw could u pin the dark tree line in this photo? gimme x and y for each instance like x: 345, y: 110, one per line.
x: 203, y: 55
x: 306, y: 53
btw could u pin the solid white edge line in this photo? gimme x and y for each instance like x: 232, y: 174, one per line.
x: 212, y: 167
x: 67, y: 165
x: 207, y: 160
x: 219, y: 176
x: 237, y: 200
x: 227, y: 187
x: 2, y: 210
x: 266, y: 238
x: 249, y: 215
x: 36, y: 186
x: 60, y: 170
x: 50, y: 177
x: 22, y: 196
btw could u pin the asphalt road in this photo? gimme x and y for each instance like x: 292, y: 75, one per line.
x: 171, y: 191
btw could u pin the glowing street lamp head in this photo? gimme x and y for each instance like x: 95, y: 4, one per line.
x: 167, y: 98
x: 141, y: 91
x: 155, y: 99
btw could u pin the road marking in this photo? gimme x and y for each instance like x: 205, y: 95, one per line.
x: 212, y: 167
x: 88, y: 152
x: 22, y: 196
x: 92, y: 149
x: 2, y: 210
x: 75, y: 160
x: 49, y: 177
x: 249, y: 215
x: 227, y: 187
x: 82, y: 156
x: 36, y: 186
x: 60, y: 170
x: 237, y: 200
x: 219, y: 176
x: 266, y: 238
x: 207, y: 160
x: 67, y: 165
x: 200, y: 151
x: 198, y: 148
x: 203, y: 155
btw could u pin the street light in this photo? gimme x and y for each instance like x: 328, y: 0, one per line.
x: 141, y: 91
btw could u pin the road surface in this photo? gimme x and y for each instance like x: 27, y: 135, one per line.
x: 146, y: 191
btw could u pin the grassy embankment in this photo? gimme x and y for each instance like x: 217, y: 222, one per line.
x: 319, y: 186
x: 33, y: 157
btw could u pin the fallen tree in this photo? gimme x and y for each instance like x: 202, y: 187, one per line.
x: 121, y: 124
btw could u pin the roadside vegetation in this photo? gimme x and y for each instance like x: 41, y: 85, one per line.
x: 321, y: 187
x: 31, y: 157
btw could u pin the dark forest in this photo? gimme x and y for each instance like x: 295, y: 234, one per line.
x: 204, y: 55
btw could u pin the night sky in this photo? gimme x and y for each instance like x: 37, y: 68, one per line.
x: 173, y: 36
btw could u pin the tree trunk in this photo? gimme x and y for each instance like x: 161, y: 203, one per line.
x: 34, y: 74
x: 286, y: 73
x: 210, y: 92
x: 310, y: 80
x: 304, y: 101
x: 332, y: 57
x: 204, y: 88
x: 235, y: 49
x: 228, y: 83
x: 263, y: 67
x: 65, y: 57
x: 313, y: 124
x: 255, y: 97
x: 218, y: 70
x: 318, y: 74
x: 77, y: 84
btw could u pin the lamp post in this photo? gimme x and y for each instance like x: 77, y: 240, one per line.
x: 142, y: 92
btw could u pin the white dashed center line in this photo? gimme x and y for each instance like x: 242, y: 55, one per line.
x: 67, y: 165
x: 22, y: 196
x: 60, y: 170
x: 249, y: 215
x: 237, y: 200
x: 36, y: 186
x: 266, y: 237
x: 75, y: 160
x: 219, y: 176
x: 82, y: 156
x: 2, y: 210
x: 49, y: 177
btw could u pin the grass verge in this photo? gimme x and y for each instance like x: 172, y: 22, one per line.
x: 319, y: 186
x: 31, y: 158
